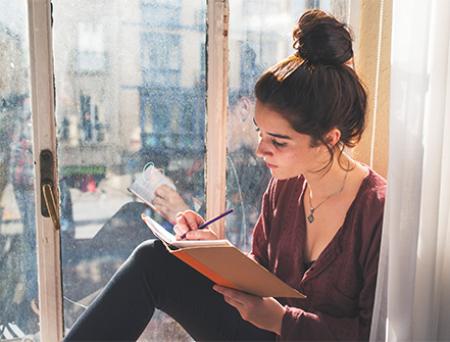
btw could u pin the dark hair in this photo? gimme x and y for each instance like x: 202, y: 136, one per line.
x: 313, y: 89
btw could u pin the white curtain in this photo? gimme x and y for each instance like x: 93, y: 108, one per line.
x: 412, y: 301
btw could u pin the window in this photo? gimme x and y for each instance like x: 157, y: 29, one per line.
x: 147, y: 105
x: 91, y: 127
x: 157, y: 13
x: 91, y: 55
x: 162, y: 58
x: 130, y: 89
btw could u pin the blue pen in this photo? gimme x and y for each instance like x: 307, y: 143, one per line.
x: 207, y: 223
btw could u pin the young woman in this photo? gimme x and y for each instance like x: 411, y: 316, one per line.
x: 320, y: 224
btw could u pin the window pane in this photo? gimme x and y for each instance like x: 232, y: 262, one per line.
x: 129, y: 91
x: 18, y: 276
x: 260, y: 35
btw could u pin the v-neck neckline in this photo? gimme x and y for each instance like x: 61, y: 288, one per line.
x: 332, y: 249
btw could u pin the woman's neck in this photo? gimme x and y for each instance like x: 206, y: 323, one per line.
x: 322, y: 184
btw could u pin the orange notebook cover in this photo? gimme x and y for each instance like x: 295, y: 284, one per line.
x: 224, y: 264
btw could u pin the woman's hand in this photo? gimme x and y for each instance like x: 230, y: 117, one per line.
x: 168, y: 202
x: 186, y: 227
x: 265, y: 313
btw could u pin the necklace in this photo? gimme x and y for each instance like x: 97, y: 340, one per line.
x: 312, y: 209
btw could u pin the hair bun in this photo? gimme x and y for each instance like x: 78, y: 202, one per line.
x: 321, y: 39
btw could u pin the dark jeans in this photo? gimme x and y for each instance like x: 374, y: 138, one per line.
x: 153, y: 278
x: 111, y: 246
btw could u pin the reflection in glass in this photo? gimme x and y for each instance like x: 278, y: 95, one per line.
x: 129, y: 91
x: 260, y: 35
x: 19, y: 314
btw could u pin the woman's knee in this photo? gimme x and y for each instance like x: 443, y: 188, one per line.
x: 148, y: 253
x: 133, y: 206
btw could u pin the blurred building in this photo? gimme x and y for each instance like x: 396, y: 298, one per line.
x: 131, y: 76
x: 13, y: 92
x: 138, y: 83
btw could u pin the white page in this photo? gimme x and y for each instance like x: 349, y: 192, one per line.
x: 162, y: 234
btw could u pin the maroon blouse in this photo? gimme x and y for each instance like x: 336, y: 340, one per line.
x: 340, y: 285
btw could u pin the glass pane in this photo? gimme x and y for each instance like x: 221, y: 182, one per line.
x: 129, y: 91
x: 260, y: 35
x: 19, y: 315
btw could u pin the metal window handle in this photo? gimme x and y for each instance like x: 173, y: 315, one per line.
x: 50, y: 202
x: 49, y: 207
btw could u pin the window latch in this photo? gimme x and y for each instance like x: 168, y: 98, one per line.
x: 49, y: 207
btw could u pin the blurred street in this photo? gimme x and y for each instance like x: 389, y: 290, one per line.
x: 90, y: 209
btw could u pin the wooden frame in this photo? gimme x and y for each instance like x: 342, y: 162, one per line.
x: 44, y: 135
x: 216, y: 100
x: 373, y: 58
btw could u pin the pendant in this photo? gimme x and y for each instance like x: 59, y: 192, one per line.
x: 311, y: 216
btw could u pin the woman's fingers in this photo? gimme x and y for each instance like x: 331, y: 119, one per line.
x: 167, y: 193
x: 238, y: 296
x: 235, y: 298
x: 171, y: 198
x: 194, y: 217
x: 163, y: 191
x: 201, y: 234
x: 159, y: 201
x: 186, y: 227
x: 169, y: 203
x: 187, y: 221
x: 181, y: 227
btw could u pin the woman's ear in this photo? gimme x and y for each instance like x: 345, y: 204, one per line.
x: 350, y: 63
x: 333, y: 137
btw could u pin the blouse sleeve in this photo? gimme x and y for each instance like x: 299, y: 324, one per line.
x: 301, y: 325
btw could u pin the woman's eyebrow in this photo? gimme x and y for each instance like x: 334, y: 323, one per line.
x: 280, y: 136
x: 275, y: 135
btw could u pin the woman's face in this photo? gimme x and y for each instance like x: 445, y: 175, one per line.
x: 286, y: 152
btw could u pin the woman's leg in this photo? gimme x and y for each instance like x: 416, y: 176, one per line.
x: 108, y: 249
x: 125, y: 231
x: 152, y: 278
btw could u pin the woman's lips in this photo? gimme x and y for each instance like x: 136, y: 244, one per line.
x: 271, y: 166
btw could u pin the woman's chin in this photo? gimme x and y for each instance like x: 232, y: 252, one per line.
x: 280, y: 175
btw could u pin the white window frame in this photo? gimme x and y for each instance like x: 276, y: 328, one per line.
x: 44, y: 136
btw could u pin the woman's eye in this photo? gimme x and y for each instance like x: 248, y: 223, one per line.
x: 259, y: 134
x: 278, y: 144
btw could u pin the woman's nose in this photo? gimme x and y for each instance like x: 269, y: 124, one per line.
x: 262, y: 150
